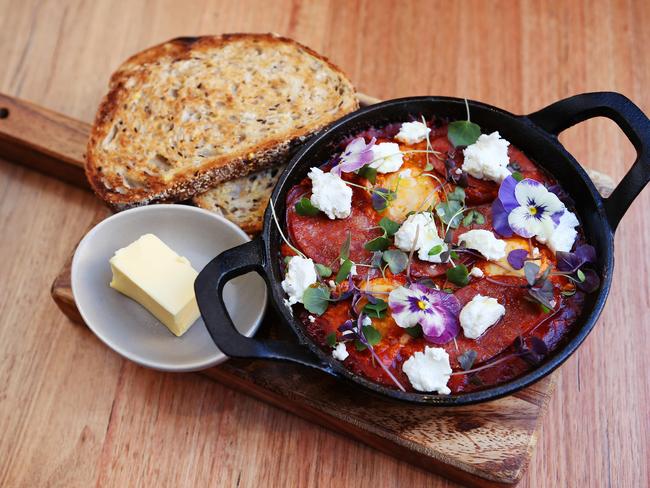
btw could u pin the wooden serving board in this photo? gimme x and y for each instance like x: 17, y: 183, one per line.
x: 489, y: 444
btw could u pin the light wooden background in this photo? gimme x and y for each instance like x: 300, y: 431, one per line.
x: 72, y: 413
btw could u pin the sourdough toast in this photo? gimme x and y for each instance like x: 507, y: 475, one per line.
x: 186, y: 115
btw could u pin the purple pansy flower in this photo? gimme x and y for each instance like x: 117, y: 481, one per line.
x: 436, y: 311
x: 355, y: 156
x: 526, y: 208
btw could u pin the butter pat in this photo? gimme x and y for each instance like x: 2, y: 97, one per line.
x: 160, y: 280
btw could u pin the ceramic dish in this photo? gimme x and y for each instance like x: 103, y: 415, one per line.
x: 129, y: 329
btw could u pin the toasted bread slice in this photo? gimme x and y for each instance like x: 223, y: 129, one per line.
x: 242, y: 200
x: 183, y: 116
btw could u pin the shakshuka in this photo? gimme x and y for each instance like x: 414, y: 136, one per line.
x: 428, y: 256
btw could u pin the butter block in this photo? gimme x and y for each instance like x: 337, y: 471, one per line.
x: 160, y: 280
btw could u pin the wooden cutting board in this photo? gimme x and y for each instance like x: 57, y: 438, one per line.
x: 489, y: 444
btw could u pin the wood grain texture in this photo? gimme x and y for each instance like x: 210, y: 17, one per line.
x: 479, y: 445
x: 74, y: 414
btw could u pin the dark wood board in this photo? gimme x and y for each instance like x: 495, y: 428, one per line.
x: 482, y: 445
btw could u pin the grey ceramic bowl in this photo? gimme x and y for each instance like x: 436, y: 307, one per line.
x: 129, y: 329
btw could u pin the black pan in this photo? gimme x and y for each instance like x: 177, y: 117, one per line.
x: 535, y: 134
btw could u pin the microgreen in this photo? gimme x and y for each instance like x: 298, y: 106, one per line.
x: 458, y: 195
x: 344, y: 253
x: 517, y: 176
x: 323, y: 271
x: 382, y: 242
x: 381, y: 197
x: 316, y: 299
x: 532, y: 354
x: 458, y: 275
x: 390, y: 227
x: 360, y: 335
x: 375, y: 261
x: 306, y: 208
x: 376, y: 310
x: 396, y: 260
x: 331, y: 339
x: 463, y: 132
x: 449, y: 213
x: 435, y: 250
x: 466, y: 360
x: 415, y: 331
x: 378, y: 244
x: 372, y: 336
x: 368, y: 173
x: 540, y: 289
x: 473, y: 217
x: 344, y: 271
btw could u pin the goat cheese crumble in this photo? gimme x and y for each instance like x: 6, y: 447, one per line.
x: 422, y: 224
x: 479, y: 314
x: 330, y: 194
x: 476, y: 272
x: 340, y: 352
x: 487, y: 158
x: 301, y: 273
x: 387, y: 157
x: 412, y: 132
x: 429, y: 370
x: 484, y: 242
x: 564, y: 235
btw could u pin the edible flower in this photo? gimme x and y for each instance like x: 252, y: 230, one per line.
x: 355, y: 156
x: 434, y: 310
x: 573, y: 264
x: 527, y: 208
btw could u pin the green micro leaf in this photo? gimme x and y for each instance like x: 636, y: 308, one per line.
x: 458, y: 275
x: 305, y: 207
x: 323, y: 271
x: 435, y: 250
x: 389, y: 226
x: 415, y: 331
x: 458, y: 194
x: 331, y: 339
x: 376, y: 310
x: 368, y: 173
x: 463, y: 133
x: 517, y: 176
x: 315, y: 299
x: 397, y: 260
x: 473, y: 216
x: 581, y: 276
x: 428, y: 167
x: 344, y: 271
x: 345, y: 248
x: 371, y: 334
x: 447, y: 210
x: 377, y: 244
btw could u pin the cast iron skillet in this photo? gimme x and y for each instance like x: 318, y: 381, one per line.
x: 535, y: 134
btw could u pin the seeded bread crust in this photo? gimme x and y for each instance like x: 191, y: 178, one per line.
x: 242, y: 200
x: 188, y: 114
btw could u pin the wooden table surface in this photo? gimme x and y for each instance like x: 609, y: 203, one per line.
x: 73, y: 413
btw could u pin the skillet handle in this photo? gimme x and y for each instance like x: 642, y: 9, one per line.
x: 633, y: 122
x: 208, y: 288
